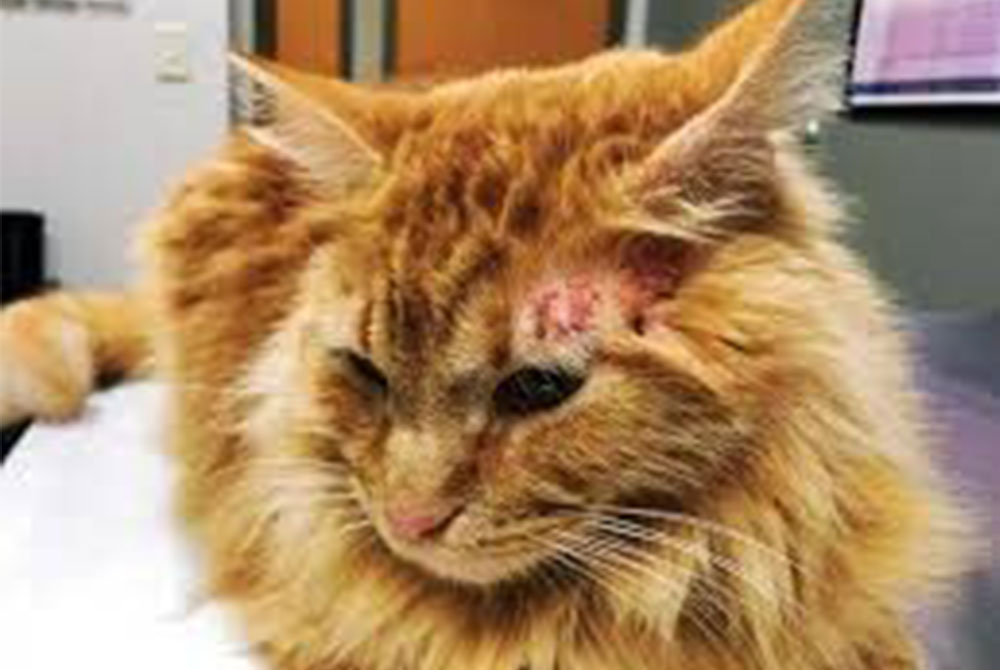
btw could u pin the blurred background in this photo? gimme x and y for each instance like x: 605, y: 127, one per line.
x: 103, y: 104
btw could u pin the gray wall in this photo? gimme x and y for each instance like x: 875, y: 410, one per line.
x: 926, y: 186
x: 929, y: 206
x: 88, y: 135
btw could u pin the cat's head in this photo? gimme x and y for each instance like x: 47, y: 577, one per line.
x: 570, y: 318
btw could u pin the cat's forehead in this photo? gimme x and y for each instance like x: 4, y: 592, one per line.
x: 490, y: 305
x: 521, y: 153
x: 519, y: 186
x: 494, y: 175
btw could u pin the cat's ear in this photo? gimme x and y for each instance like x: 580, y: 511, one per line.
x: 275, y: 109
x: 770, y: 70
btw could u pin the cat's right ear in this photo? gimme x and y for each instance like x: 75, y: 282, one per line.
x: 765, y: 73
x: 273, y: 111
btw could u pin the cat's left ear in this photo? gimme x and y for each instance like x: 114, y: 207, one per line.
x: 772, y: 69
x: 275, y: 109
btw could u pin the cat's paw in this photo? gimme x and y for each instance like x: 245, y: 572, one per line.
x: 46, y: 362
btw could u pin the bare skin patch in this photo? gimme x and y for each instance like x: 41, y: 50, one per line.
x: 566, y: 308
x: 570, y: 311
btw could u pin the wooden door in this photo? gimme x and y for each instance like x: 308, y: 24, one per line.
x: 428, y: 38
x: 431, y: 38
x: 309, y: 33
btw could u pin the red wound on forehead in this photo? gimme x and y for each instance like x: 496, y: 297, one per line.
x: 647, y: 272
x: 566, y: 308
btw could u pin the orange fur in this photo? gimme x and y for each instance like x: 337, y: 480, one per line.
x: 54, y: 349
x: 740, y: 482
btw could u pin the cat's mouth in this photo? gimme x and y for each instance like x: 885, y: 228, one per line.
x: 470, y: 548
x: 465, y: 564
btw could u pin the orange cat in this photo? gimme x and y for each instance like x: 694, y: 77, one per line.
x: 554, y: 369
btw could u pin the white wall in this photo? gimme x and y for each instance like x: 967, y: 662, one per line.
x: 88, y: 135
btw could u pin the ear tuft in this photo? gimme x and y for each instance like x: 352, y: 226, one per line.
x: 798, y: 76
x: 788, y: 57
x: 276, y: 114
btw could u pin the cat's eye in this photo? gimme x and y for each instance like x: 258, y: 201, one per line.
x: 366, y: 371
x: 534, y: 389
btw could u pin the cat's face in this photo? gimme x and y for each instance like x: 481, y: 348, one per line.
x: 496, y: 411
x: 554, y: 307
x: 539, y: 324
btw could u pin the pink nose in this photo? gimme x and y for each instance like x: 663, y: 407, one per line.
x: 414, y: 522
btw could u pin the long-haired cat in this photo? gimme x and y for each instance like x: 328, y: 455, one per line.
x: 558, y: 369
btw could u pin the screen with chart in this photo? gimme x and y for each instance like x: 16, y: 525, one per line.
x: 926, y: 52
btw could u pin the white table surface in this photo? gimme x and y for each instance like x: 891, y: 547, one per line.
x: 93, y: 571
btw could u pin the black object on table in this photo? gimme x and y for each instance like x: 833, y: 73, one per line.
x: 22, y: 274
x: 22, y: 254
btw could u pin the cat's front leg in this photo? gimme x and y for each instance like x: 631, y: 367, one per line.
x: 55, y: 348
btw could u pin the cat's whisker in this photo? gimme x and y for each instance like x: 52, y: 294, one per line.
x: 609, y: 549
x: 776, y: 597
x: 525, y: 529
x: 607, y: 553
x: 581, y: 563
x: 720, y: 596
x: 706, y: 525
x: 618, y: 525
x: 635, y: 573
x: 613, y: 512
x: 786, y: 604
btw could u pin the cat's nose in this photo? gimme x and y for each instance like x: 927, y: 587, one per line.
x: 417, y: 521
